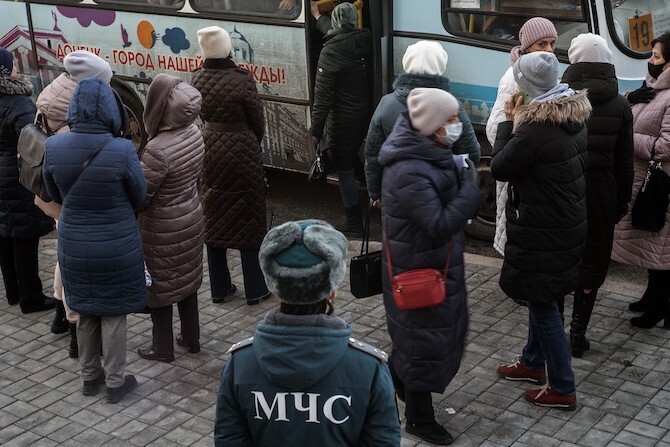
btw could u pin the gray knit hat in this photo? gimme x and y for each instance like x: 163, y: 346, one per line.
x: 303, y: 261
x: 536, y: 73
x: 83, y: 64
x: 429, y: 108
x: 589, y: 47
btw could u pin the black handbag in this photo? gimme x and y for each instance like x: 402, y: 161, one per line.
x: 365, y: 270
x: 651, y: 203
x: 318, y: 170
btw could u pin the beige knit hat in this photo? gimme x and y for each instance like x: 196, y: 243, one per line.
x: 425, y: 57
x: 589, y: 47
x: 430, y: 108
x: 214, y: 42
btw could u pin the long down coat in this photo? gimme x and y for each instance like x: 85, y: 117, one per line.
x: 99, y: 247
x: 609, y: 168
x: 425, y: 206
x: 651, y: 127
x: 171, y: 222
x: 19, y: 217
x: 542, y: 156
x: 232, y: 185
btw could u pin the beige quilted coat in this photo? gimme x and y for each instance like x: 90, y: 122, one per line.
x: 232, y: 184
x: 651, y: 125
x: 171, y: 221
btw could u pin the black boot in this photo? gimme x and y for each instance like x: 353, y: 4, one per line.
x: 353, y: 228
x: 641, y: 304
x: 73, y: 350
x: 581, y: 315
x: 657, y: 310
x: 60, y: 325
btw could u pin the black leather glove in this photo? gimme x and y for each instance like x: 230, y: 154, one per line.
x: 642, y: 95
x: 469, y: 174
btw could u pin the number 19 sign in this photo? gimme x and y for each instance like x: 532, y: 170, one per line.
x: 641, y: 32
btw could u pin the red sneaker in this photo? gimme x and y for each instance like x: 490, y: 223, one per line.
x: 516, y: 371
x: 546, y: 397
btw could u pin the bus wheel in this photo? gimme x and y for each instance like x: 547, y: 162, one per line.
x: 134, y: 108
x: 483, y: 226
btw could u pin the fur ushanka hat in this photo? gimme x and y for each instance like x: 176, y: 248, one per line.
x: 303, y: 261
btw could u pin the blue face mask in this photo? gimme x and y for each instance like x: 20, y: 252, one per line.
x: 452, y: 133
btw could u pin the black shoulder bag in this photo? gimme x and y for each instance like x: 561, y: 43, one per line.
x: 365, y: 271
x: 651, y: 203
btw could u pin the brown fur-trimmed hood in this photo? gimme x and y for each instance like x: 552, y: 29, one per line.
x: 572, y: 109
x: 10, y: 85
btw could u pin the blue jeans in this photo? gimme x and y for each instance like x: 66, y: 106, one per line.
x: 348, y: 188
x: 547, y: 344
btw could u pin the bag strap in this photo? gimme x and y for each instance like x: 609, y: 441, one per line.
x: 42, y: 121
x: 365, y: 246
x: 88, y: 161
x: 388, y: 253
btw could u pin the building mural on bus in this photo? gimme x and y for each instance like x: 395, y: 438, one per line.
x: 140, y: 46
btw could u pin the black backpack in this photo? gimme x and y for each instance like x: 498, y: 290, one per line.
x: 30, y: 154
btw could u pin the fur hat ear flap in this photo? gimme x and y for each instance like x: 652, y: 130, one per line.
x: 303, y: 262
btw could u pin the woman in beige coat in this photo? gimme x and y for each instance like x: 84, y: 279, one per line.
x: 171, y: 221
x: 53, y: 103
x: 651, y: 129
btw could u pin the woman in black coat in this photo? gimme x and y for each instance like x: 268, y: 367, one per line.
x: 609, y: 170
x: 542, y: 156
x: 342, y: 103
x: 426, y: 206
x: 21, y: 222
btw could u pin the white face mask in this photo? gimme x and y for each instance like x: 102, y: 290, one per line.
x: 452, y: 133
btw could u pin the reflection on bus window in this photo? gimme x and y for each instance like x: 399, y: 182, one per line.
x: 500, y: 20
x: 288, y: 9
x: 638, y: 22
x: 172, y: 4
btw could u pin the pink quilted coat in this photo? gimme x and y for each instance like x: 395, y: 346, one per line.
x: 651, y: 126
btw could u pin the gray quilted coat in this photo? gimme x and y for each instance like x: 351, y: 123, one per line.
x: 171, y: 222
x: 232, y: 186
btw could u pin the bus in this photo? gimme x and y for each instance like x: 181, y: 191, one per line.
x: 277, y: 41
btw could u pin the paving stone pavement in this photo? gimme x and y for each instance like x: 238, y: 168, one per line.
x: 623, y: 390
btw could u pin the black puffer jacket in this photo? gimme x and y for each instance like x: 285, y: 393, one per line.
x: 425, y: 206
x: 232, y: 188
x: 19, y: 217
x: 544, y: 162
x: 342, y: 94
x: 609, y: 172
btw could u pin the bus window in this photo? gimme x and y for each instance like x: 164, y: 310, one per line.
x: 638, y: 22
x: 171, y: 4
x: 500, y: 20
x: 288, y: 9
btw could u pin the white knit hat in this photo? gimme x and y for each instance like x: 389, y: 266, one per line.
x: 430, y: 108
x: 589, y: 47
x: 214, y: 42
x: 84, y: 64
x: 425, y: 57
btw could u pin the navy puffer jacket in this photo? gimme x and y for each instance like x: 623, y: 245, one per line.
x: 19, y: 217
x: 425, y: 206
x: 99, y: 248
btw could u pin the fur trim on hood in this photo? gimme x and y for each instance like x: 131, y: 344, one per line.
x: 576, y: 109
x: 15, y: 86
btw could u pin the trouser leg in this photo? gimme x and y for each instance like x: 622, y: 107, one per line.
x: 8, y: 268
x: 348, y: 187
x: 27, y: 269
x: 531, y: 356
x: 162, y: 330
x: 189, y: 319
x: 114, y: 341
x: 419, y: 407
x: 89, y: 338
x: 219, y: 275
x: 254, y: 282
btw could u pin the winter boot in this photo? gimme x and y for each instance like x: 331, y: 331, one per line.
x: 73, y: 350
x: 581, y: 315
x: 353, y: 228
x: 641, y: 304
x: 60, y: 325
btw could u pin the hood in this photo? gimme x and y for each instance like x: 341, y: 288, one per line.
x: 354, y: 44
x: 94, y: 108
x: 570, y: 112
x: 661, y: 83
x: 171, y: 104
x: 11, y: 85
x: 406, y: 82
x: 54, y: 100
x: 406, y: 143
x: 598, y: 78
x: 297, y: 355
